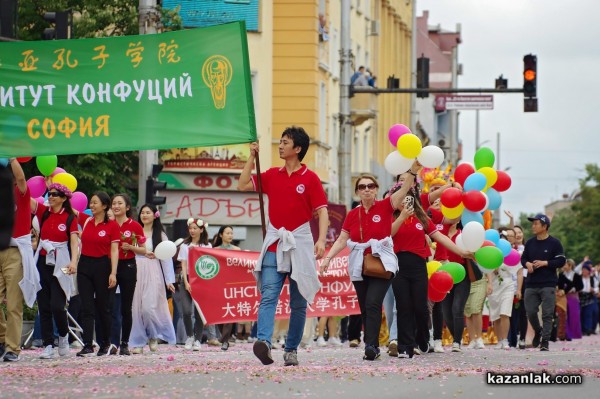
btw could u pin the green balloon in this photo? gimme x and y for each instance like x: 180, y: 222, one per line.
x: 484, y: 157
x: 489, y: 257
x: 46, y: 164
x: 456, y: 270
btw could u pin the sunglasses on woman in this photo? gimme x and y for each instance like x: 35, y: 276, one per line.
x: 55, y: 194
x: 370, y: 186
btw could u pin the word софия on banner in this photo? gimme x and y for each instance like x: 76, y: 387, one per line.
x: 225, y: 289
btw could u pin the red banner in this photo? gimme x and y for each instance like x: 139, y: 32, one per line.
x: 225, y: 289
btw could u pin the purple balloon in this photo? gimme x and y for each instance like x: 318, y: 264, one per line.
x: 57, y: 171
x: 79, y: 201
x: 40, y: 200
x: 513, y: 258
x: 395, y: 132
x: 37, y: 186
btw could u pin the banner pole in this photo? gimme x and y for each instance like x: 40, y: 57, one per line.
x: 260, y: 196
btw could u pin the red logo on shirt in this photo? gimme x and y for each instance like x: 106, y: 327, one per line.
x: 300, y: 188
x: 127, y: 233
x: 101, y: 233
x: 62, y: 227
x: 376, y: 218
x: 419, y: 226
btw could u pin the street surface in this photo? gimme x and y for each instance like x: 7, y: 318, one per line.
x: 323, y: 373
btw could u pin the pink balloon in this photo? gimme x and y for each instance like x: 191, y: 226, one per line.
x: 79, y: 201
x: 40, y: 200
x: 57, y: 171
x: 513, y: 258
x: 395, y: 132
x: 37, y: 186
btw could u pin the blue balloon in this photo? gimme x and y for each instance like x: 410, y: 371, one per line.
x: 494, y: 199
x: 468, y: 216
x: 88, y: 212
x: 504, y: 246
x: 4, y: 161
x: 476, y: 181
x: 492, y: 235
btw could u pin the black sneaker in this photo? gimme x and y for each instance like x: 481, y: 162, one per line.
x: 406, y: 353
x: 113, y: 350
x: 86, y: 351
x: 536, y: 339
x: 290, y: 358
x: 225, y: 346
x: 124, y: 349
x: 544, y: 346
x: 2, y: 350
x: 262, y: 352
x: 371, y: 353
x: 11, y: 357
x: 103, y: 350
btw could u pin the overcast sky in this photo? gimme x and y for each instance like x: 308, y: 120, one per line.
x: 546, y: 151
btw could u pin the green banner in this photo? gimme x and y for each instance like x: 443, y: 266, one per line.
x: 178, y: 89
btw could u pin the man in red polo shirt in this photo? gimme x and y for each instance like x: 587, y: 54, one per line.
x: 11, y: 270
x: 295, y: 193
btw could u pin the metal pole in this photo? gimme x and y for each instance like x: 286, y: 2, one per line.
x: 147, y: 10
x: 345, y: 147
x: 476, y: 130
x: 496, y: 217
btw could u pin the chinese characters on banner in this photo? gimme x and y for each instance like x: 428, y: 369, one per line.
x: 225, y: 289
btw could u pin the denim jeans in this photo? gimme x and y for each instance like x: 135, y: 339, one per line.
x: 389, y: 306
x: 271, y: 285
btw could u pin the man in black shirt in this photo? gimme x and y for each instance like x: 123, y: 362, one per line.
x: 543, y: 254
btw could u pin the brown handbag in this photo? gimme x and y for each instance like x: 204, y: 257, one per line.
x: 372, y: 265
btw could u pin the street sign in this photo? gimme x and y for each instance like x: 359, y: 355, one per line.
x: 443, y: 103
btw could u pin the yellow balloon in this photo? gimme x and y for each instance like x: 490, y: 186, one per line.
x: 490, y: 176
x: 409, y: 145
x: 432, y: 267
x: 453, y: 213
x: 66, y: 179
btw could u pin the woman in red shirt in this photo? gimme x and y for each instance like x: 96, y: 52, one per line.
x: 410, y: 284
x: 97, y: 272
x: 132, y: 244
x: 58, y: 248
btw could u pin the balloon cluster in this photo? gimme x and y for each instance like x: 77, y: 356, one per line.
x: 410, y: 147
x: 48, y: 167
x: 442, y: 278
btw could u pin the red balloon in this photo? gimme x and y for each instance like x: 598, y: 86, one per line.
x: 503, y: 182
x: 23, y: 159
x: 488, y: 243
x: 474, y: 201
x: 441, y: 281
x: 434, y: 295
x: 451, y: 197
x: 462, y: 172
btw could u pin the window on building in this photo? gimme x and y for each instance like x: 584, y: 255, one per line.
x: 323, y: 113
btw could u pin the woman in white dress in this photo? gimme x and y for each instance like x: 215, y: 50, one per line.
x: 152, y: 320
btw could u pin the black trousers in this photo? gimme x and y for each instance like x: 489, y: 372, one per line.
x: 52, y: 303
x: 183, y: 301
x: 355, y: 324
x: 370, y: 293
x: 96, y: 297
x: 437, y: 319
x: 410, y: 292
x: 126, y: 280
x: 454, y: 308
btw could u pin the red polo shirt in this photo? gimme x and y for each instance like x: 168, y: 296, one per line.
x: 441, y: 253
x: 411, y: 237
x: 54, y: 228
x: 96, y: 239
x: 292, y: 198
x: 425, y: 201
x: 22, y: 213
x: 132, y: 233
x: 452, y: 257
x: 376, y: 223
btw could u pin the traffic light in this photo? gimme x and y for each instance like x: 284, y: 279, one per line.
x: 422, y: 75
x: 61, y: 30
x: 530, y: 76
x: 153, y: 186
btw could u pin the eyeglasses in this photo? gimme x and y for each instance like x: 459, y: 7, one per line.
x: 370, y: 186
x: 55, y: 194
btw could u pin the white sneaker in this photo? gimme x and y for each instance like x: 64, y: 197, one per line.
x: 335, y: 341
x: 251, y: 340
x: 321, y: 342
x: 63, y: 345
x: 472, y: 344
x: 505, y: 344
x: 522, y: 344
x: 138, y: 350
x: 479, y: 344
x: 48, y: 353
x: 437, y: 346
x: 456, y: 347
x: 189, y: 342
x: 499, y: 345
x: 153, y: 344
x: 196, y: 345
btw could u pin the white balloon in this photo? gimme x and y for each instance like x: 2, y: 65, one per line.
x: 165, y: 250
x: 396, y: 164
x: 473, y: 236
x: 460, y: 243
x: 431, y: 156
x: 35, y: 223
